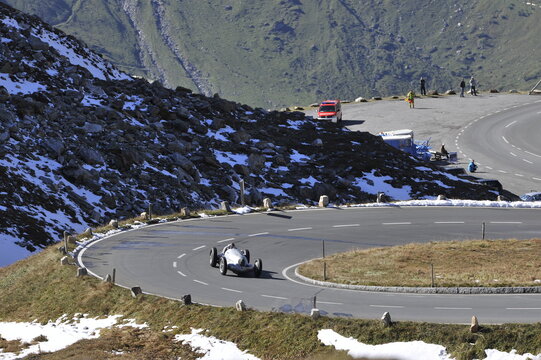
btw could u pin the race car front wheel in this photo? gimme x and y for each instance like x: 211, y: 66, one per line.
x: 223, y: 266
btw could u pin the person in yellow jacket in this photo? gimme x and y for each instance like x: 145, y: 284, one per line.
x: 410, y: 98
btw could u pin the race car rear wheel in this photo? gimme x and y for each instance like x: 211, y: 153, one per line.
x: 213, y: 257
x: 258, y: 267
x: 247, y: 254
x: 223, y: 266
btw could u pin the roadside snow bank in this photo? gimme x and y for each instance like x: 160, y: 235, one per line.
x: 412, y: 350
x: 56, y: 335
x: 213, y: 348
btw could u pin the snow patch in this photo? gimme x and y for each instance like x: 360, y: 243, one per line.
x: 213, y: 348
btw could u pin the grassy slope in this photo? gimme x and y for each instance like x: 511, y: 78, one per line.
x: 337, y: 48
x: 39, y: 288
x: 456, y: 263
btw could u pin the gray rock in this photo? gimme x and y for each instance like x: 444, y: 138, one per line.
x: 386, y: 319
x: 54, y: 146
x: 90, y: 156
x: 92, y: 128
x: 224, y: 205
x: 240, y: 305
x: 323, y: 201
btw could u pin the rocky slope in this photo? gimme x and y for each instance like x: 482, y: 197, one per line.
x: 275, y: 53
x: 82, y: 143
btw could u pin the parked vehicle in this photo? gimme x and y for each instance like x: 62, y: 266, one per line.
x: 236, y: 260
x: 330, y: 110
x: 532, y: 196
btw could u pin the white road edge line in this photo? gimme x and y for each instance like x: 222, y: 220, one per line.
x: 300, y: 229
x: 504, y: 139
x: 538, y: 179
x: 522, y: 308
x: 388, y: 306
x: 199, y: 247
x: 174, y: 264
x: 397, y: 223
x: 224, y: 240
x: 452, y: 308
x: 528, y: 161
x: 511, y: 123
x: 181, y: 256
x: 181, y: 273
x: 448, y: 222
x: 506, y: 222
x: 346, y: 225
x: 515, y: 155
x: 200, y: 282
x: 258, y: 234
x: 232, y: 290
x: 274, y: 297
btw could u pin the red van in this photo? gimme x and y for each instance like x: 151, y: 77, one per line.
x: 330, y: 110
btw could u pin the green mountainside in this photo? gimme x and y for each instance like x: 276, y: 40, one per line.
x: 275, y: 53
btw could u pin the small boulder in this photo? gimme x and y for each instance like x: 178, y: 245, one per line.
x: 240, y: 306
x: 82, y: 272
x: 135, y: 291
x: 114, y: 224
x: 267, y: 203
x: 224, y: 205
x: 317, y: 142
x: 184, y: 212
x: 186, y: 299
x: 474, y: 327
x: 386, y: 319
x: 323, y: 201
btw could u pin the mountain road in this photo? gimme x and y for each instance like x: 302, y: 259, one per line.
x: 499, y: 131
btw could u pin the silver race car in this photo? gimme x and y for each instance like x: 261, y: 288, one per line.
x: 236, y: 260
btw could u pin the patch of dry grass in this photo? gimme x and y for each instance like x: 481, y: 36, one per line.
x: 456, y: 263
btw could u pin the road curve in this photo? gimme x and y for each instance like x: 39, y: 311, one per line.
x: 171, y: 259
x: 506, y: 144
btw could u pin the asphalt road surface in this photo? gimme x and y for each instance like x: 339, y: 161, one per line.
x: 172, y: 260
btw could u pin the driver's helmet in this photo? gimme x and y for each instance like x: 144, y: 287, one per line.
x: 233, y: 246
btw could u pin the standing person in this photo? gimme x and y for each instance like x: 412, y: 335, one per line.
x: 423, y: 88
x: 410, y: 98
x: 473, y: 85
x: 462, y: 86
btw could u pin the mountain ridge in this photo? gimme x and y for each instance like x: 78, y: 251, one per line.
x: 295, y: 52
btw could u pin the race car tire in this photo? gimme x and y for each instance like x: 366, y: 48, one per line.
x: 213, y: 257
x: 247, y: 254
x: 223, y: 266
x: 258, y: 267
